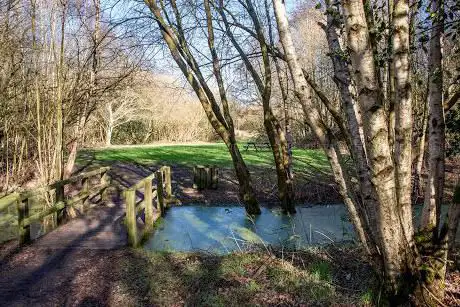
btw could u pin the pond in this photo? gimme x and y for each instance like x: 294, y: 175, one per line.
x: 225, y: 229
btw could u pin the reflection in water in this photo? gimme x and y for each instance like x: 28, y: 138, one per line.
x: 225, y: 229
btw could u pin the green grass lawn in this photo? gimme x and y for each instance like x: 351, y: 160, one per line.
x: 189, y: 155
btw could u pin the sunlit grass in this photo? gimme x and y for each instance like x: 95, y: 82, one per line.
x: 189, y: 155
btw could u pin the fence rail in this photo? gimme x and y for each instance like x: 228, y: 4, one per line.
x: 23, y: 204
x: 161, y: 192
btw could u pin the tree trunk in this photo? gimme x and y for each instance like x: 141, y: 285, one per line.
x: 108, y: 136
x: 287, y: 131
x: 348, y: 95
x: 391, y: 228
x: 453, y: 217
x: 272, y: 126
x: 278, y: 145
x: 190, y: 69
x: 313, y: 117
x: 420, y: 157
x: 247, y: 194
x: 109, y: 122
x: 287, y: 153
x: 436, y: 124
x: 403, y: 113
x: 59, y: 138
x: 434, y: 251
x: 71, y: 159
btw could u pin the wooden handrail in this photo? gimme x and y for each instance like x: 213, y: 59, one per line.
x: 64, y: 203
x: 23, y: 206
x: 8, y: 200
x: 133, y: 208
x: 12, y: 198
x: 140, y: 184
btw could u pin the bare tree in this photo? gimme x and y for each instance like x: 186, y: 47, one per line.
x: 60, y: 63
x: 220, y: 118
x: 263, y: 80
x: 120, y: 109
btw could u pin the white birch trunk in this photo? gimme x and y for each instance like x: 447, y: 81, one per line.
x: 436, y: 127
x: 403, y: 112
x: 377, y: 138
x: 313, y: 118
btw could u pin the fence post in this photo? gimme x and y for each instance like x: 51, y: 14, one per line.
x: 131, y: 225
x: 195, y: 177
x: 168, y: 185
x: 85, y: 185
x: 208, y: 181
x: 214, y: 176
x: 59, y: 216
x: 23, y: 213
x: 84, y: 190
x: 148, y: 203
x: 105, y: 181
x: 160, y: 197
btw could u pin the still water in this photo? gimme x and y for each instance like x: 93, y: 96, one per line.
x: 224, y: 229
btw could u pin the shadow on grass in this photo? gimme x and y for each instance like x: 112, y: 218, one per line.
x: 313, y: 180
x: 246, y: 279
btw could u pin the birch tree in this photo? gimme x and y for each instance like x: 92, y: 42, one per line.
x: 413, y: 261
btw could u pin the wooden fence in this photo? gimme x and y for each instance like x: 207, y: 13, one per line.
x: 60, y: 202
x: 161, y: 192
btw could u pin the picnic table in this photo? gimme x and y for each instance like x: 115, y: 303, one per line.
x: 257, y: 146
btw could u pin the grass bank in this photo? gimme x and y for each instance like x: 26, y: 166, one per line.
x: 301, y: 278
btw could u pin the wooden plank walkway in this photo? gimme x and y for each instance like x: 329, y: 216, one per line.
x: 80, y: 261
x: 100, y: 228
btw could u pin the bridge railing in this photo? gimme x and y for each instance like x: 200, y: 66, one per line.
x: 23, y: 200
x: 161, y: 191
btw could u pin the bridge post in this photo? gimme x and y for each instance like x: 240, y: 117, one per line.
x: 105, y: 181
x: 131, y: 225
x: 23, y: 213
x: 160, y: 196
x: 168, y: 185
x: 85, y: 190
x: 59, y: 216
x: 148, y: 203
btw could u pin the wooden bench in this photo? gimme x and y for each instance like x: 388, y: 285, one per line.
x: 257, y: 146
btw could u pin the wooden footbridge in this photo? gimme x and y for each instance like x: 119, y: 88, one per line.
x: 88, y: 211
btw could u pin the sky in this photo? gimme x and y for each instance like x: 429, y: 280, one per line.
x: 161, y: 60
